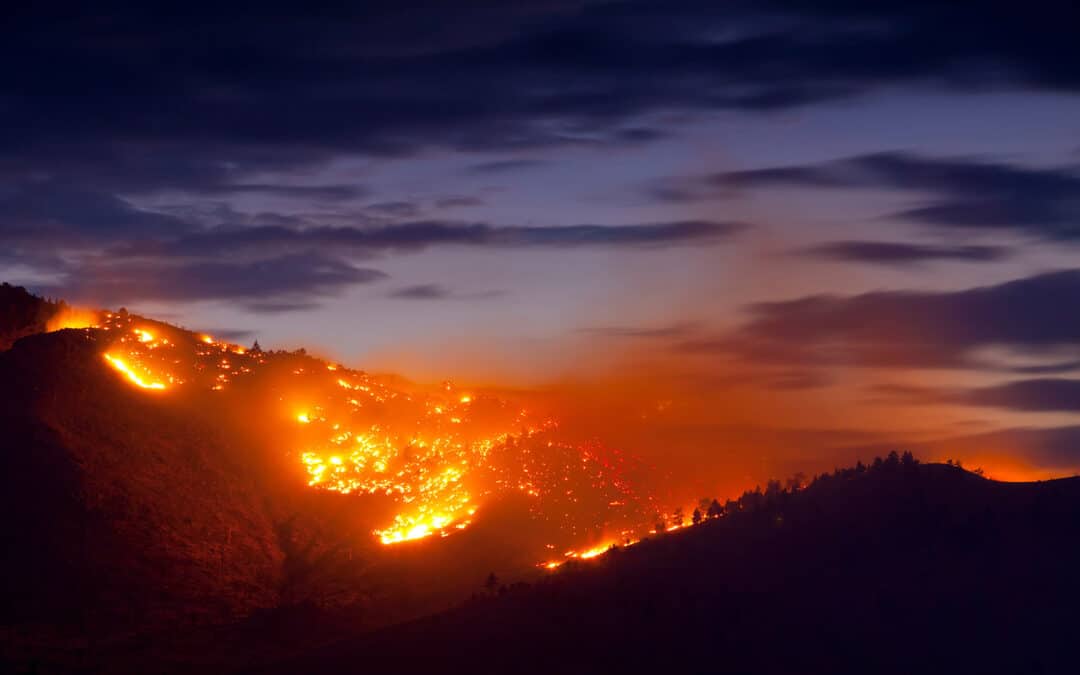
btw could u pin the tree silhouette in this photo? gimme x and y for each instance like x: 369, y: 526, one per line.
x: 696, y: 517
x: 704, y: 503
x: 677, y: 517
x: 491, y: 584
x: 773, y: 488
x: 715, y: 509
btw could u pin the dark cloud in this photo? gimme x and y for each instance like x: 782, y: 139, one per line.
x: 1037, y: 395
x: 1044, y: 368
x: 194, y: 95
x: 113, y: 105
x: 679, y: 329
x: 898, y: 253
x: 966, y: 193
x: 281, y: 307
x: 396, y: 209
x: 651, y: 234
x: 672, y: 192
x: 307, y: 192
x: 909, y: 328
x: 456, y: 201
x: 420, y: 292
x: 440, y: 292
x: 1026, y: 395
x: 425, y: 234
x: 264, y: 283
x: 34, y: 211
x: 640, y: 135
x: 1023, y: 395
x: 505, y: 166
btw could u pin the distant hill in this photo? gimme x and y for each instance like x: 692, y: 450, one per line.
x: 896, y: 569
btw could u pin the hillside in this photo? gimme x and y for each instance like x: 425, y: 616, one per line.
x: 173, y: 492
x: 911, y: 569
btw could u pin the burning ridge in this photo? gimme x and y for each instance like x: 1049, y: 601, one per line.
x: 438, y: 454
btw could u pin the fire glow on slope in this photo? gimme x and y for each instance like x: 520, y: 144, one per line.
x: 72, y: 317
x: 437, y: 455
x: 440, y: 454
x: 136, y: 379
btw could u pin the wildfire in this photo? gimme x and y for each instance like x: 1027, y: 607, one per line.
x: 438, y: 455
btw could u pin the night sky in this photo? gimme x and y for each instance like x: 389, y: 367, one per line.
x: 747, y: 236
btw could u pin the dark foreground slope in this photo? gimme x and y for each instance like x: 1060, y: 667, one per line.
x: 899, y: 570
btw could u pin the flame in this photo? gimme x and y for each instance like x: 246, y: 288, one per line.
x: 143, y: 335
x: 588, y: 554
x: 593, y: 552
x: 131, y: 375
x: 72, y: 318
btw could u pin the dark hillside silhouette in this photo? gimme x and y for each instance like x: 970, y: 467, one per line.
x: 896, y: 568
